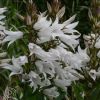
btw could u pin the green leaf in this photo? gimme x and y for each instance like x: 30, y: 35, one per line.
x: 78, y: 91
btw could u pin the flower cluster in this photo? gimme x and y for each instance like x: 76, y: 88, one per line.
x: 55, y: 67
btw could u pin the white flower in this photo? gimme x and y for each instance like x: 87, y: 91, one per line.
x: 22, y: 60
x: 12, y: 36
x: 51, y: 92
x: 70, y: 40
x: 34, y: 80
x: 46, y: 68
x: 69, y: 26
x: 72, y: 74
x: 2, y: 10
x: 39, y: 52
x: 42, y: 22
x: 82, y: 55
x: 58, y: 53
x: 15, y: 68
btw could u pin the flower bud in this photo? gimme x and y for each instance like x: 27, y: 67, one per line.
x: 28, y: 20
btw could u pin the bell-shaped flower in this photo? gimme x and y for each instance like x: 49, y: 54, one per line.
x: 78, y: 60
x: 34, y: 80
x: 39, y: 52
x: 15, y: 68
x: 82, y: 54
x: 70, y: 40
x: 58, y: 53
x: 11, y: 36
x: 22, y: 60
x: 46, y: 68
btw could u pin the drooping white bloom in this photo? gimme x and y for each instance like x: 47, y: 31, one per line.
x: 12, y: 36
x: 2, y: 10
x: 58, y: 53
x: 70, y: 40
x: 34, y: 80
x: 5, y: 35
x: 40, y: 53
x: 22, y: 60
x: 46, y: 68
x: 82, y: 54
x: 15, y: 68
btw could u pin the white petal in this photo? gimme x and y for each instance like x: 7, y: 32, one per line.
x: 2, y: 10
x: 69, y: 20
x: 61, y: 12
x: 71, y: 26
